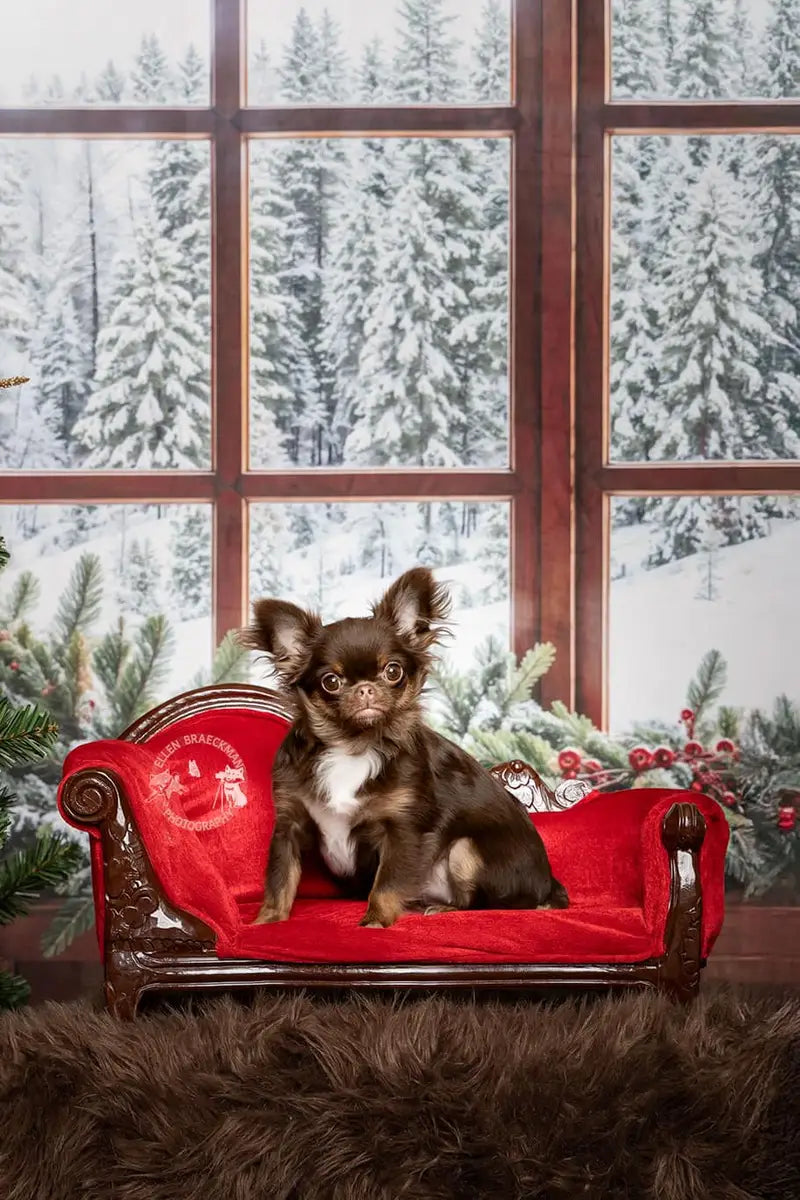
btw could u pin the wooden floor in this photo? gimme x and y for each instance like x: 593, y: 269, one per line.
x: 757, y: 945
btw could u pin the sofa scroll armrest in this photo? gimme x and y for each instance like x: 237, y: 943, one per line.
x: 673, y: 836
x: 130, y: 906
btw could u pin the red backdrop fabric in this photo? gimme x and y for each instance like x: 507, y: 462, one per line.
x: 200, y: 795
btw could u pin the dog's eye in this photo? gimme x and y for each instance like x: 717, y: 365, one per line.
x: 393, y: 672
x: 331, y: 683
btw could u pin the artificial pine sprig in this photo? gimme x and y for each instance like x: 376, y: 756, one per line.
x: 28, y: 872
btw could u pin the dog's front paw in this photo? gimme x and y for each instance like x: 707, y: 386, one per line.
x: 371, y: 920
x: 268, y: 914
x: 383, y: 910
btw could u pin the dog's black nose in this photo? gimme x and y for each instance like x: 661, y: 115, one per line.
x: 365, y: 692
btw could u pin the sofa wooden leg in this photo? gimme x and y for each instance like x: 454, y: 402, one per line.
x: 123, y: 988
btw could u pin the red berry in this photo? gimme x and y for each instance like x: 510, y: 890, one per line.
x: 693, y: 749
x: 725, y: 746
x: 13, y: 665
x: 569, y: 760
x: 640, y: 758
x: 663, y: 756
x: 592, y: 766
x: 571, y: 775
x: 697, y: 786
x: 728, y: 798
x: 687, y: 714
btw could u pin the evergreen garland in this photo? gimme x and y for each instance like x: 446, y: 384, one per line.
x: 749, y: 763
x: 26, y: 735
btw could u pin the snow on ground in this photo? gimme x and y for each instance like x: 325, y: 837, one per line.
x: 347, y: 595
x: 661, y: 626
x: 660, y: 623
x: 53, y: 567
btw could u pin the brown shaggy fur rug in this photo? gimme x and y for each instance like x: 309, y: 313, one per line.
x: 294, y: 1098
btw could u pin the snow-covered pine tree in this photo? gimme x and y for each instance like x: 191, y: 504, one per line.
x: 668, y: 19
x: 491, y: 54
x: 635, y: 405
x: 150, y: 407
x: 190, y: 556
x: 407, y: 391
x: 261, y: 77
x: 281, y: 378
x: 747, y: 67
x: 151, y: 79
x: 16, y: 269
x: 309, y: 173
x: 179, y: 179
x: 703, y: 62
x: 636, y: 50
x: 483, y: 334
x: 357, y: 230
x: 413, y: 401
x: 426, y: 58
x: 774, y: 184
x: 140, y: 583
x: 711, y: 388
x: 110, y: 84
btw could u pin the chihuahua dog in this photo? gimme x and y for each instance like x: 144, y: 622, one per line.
x: 403, y: 815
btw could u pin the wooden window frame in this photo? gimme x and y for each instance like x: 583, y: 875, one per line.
x: 597, y: 480
x: 537, y: 484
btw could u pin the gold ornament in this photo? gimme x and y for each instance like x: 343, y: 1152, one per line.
x: 14, y: 381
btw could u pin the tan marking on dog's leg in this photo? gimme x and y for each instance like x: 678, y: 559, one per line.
x: 280, y: 896
x: 383, y: 909
x: 464, y: 864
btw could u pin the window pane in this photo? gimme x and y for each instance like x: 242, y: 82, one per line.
x: 705, y: 49
x: 338, y: 558
x: 78, y: 52
x: 104, y: 303
x: 149, y: 602
x: 705, y: 307
x: 691, y: 574
x: 384, y: 52
x: 379, y: 302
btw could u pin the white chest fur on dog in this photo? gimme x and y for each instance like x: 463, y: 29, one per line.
x: 339, y: 777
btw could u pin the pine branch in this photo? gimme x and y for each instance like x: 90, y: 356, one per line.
x: 5, y: 554
x: 75, y: 918
x: 6, y: 816
x: 26, y: 734
x: 577, y: 728
x: 141, y: 676
x: 709, y: 683
x: 111, y: 656
x: 14, y: 991
x: 24, y: 595
x: 231, y: 663
x: 27, y: 873
x: 80, y: 605
x: 533, y: 666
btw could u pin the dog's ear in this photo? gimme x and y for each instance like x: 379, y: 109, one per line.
x: 285, y: 633
x: 417, y: 606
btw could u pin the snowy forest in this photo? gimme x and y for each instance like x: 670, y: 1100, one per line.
x: 378, y: 332
x: 379, y: 290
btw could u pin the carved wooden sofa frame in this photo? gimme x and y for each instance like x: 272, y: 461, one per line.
x: 151, y: 946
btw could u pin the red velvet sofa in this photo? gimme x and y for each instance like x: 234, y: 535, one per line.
x: 179, y: 815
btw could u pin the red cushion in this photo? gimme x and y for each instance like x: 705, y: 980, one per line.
x: 327, y: 931
x: 200, y: 794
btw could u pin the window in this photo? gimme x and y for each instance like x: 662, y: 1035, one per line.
x: 687, y: 418
x: 271, y: 270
